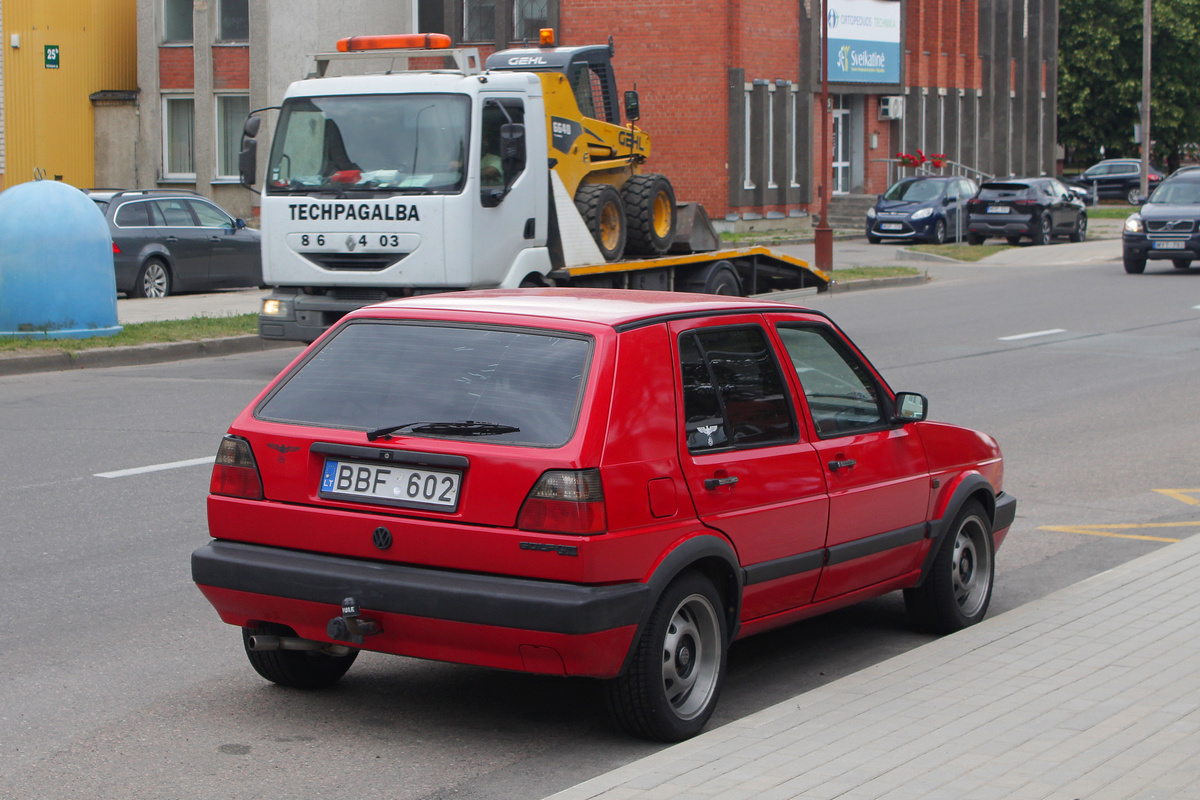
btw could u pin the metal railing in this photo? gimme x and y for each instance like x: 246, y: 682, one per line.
x: 949, y: 167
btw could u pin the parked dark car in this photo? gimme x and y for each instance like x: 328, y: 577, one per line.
x: 1118, y: 178
x: 167, y: 241
x: 929, y: 207
x: 1039, y: 208
x: 1167, y: 228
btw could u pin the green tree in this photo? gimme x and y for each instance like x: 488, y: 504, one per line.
x: 1100, y: 78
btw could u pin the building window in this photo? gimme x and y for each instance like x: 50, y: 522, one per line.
x: 479, y: 20
x: 232, y: 110
x: 179, y: 147
x: 529, y: 17
x: 235, y: 20
x: 177, y: 20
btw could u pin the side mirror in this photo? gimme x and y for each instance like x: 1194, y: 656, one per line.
x: 248, y: 160
x: 250, y: 129
x: 632, y: 107
x: 910, y: 407
x: 512, y: 150
x: 239, y: 223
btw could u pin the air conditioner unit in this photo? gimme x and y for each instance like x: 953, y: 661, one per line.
x: 891, y: 108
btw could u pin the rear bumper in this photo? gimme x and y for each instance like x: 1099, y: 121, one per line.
x: 509, y: 623
x: 1001, y: 227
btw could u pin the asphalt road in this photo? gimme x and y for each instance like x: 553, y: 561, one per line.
x: 119, y: 680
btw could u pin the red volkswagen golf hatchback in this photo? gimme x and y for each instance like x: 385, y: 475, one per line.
x: 587, y: 482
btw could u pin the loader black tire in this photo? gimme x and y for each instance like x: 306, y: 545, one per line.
x: 650, y: 209
x: 603, y: 212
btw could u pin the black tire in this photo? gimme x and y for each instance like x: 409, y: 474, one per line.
x: 297, y: 669
x: 674, y: 678
x: 651, y: 212
x: 1181, y: 263
x: 873, y: 239
x: 1013, y: 240
x: 1041, y: 231
x: 975, y: 238
x: 1133, y: 264
x: 720, y: 277
x: 939, y: 232
x: 958, y: 588
x: 1079, y: 232
x: 533, y: 281
x: 603, y: 212
x: 153, y: 279
x: 1134, y: 195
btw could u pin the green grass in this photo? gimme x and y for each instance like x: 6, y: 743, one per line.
x: 961, y: 252
x: 1110, y: 212
x: 862, y: 273
x: 183, y: 330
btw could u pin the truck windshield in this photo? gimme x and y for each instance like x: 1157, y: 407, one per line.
x: 345, y: 143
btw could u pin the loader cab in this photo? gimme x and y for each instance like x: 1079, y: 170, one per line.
x: 588, y: 69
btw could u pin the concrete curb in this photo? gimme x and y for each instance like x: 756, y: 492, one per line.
x: 877, y: 283
x: 133, y: 355
x: 905, y: 254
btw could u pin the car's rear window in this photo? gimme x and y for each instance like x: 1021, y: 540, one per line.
x: 373, y: 375
x: 1003, y: 191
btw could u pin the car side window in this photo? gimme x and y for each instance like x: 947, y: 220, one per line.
x: 733, y: 391
x: 174, y: 213
x: 210, y: 216
x: 133, y: 215
x: 843, y: 396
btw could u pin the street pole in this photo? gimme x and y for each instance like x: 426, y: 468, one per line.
x: 1145, y: 185
x: 823, y: 238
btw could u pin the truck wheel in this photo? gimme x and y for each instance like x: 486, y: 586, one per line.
x: 675, y: 674
x: 717, y: 278
x: 650, y: 209
x: 297, y: 669
x: 602, y: 210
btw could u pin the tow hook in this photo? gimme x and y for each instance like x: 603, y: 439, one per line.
x: 350, y: 626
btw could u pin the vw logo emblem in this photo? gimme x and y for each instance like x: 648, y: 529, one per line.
x: 382, y: 538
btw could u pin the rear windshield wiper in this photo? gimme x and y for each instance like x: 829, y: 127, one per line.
x: 466, y: 427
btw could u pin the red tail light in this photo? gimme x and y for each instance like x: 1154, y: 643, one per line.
x: 565, y: 501
x: 1025, y: 202
x: 116, y: 250
x: 235, y: 473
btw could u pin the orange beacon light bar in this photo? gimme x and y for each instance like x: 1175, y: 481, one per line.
x: 396, y: 41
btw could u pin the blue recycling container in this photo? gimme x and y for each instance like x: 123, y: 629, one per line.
x: 56, y: 264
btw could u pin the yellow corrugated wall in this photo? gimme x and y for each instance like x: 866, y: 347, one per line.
x: 48, y: 116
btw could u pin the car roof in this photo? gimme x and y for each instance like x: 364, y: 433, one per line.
x: 615, y: 308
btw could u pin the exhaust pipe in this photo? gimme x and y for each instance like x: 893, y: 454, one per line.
x: 266, y: 642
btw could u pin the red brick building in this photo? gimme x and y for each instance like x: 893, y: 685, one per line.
x: 730, y: 89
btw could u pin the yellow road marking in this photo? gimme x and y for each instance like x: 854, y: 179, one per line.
x: 1182, y: 495
x: 1109, y: 530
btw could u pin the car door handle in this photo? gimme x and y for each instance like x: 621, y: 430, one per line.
x: 713, y: 483
x: 214, y: 238
x: 172, y: 238
x: 843, y: 464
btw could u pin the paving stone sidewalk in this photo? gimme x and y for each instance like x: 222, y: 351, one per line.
x: 1092, y: 693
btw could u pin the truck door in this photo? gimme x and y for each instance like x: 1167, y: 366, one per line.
x: 750, y: 471
x: 877, y: 473
x: 503, y: 230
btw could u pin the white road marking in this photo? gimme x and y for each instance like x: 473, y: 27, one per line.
x: 124, y: 473
x: 1017, y: 336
